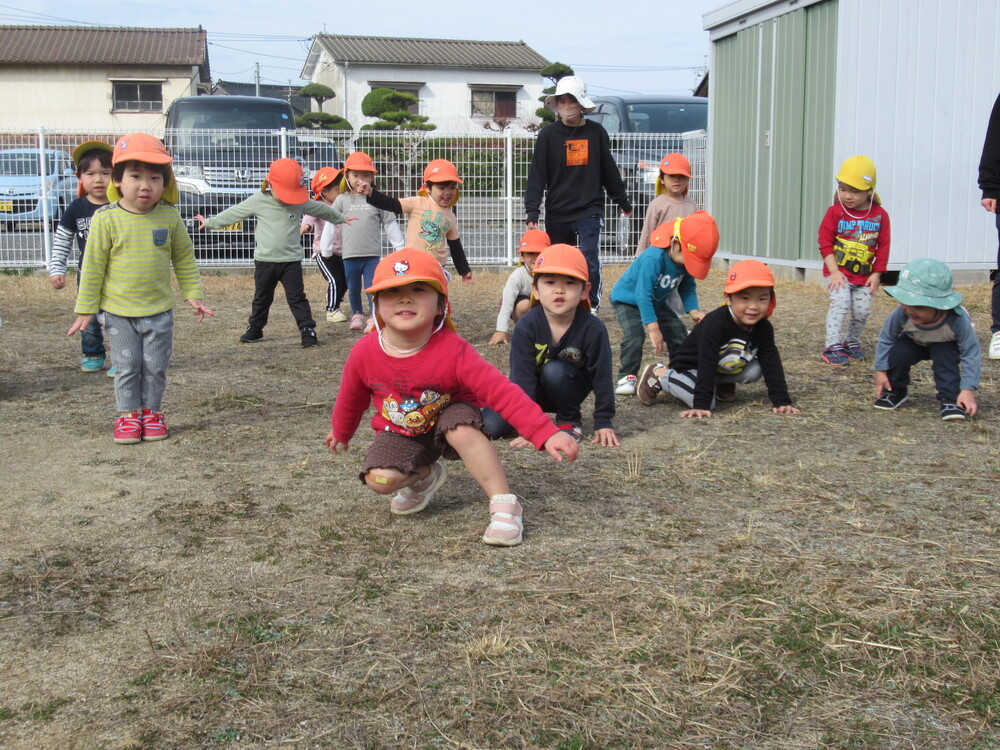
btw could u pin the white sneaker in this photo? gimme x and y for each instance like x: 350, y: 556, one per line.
x: 336, y: 316
x: 995, y: 346
x: 626, y: 386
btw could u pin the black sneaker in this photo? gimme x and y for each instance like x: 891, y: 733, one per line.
x: 309, y: 337
x: 891, y: 399
x: 950, y: 411
x: 252, y: 335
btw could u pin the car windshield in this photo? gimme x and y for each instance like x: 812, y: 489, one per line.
x: 257, y: 116
x: 667, y: 117
x: 23, y: 164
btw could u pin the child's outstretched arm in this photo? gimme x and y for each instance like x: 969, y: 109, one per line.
x: 458, y: 257
x: 562, y: 443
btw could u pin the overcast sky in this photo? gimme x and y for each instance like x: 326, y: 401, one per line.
x: 638, y: 46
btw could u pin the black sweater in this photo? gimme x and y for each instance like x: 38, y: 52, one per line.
x: 989, y: 164
x: 573, y: 166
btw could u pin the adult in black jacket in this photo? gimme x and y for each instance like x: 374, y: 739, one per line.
x: 989, y: 183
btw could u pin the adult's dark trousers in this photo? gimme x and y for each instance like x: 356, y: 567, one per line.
x: 585, y: 234
x: 562, y: 387
x: 944, y: 359
x: 266, y: 277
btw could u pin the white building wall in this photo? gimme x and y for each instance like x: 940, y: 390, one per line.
x: 80, y: 98
x: 916, y: 81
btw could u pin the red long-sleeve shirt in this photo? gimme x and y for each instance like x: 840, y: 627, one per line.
x: 409, y: 392
x: 872, y: 230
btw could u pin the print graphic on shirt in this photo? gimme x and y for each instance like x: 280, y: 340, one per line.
x: 734, y: 356
x: 83, y: 229
x: 666, y: 281
x: 570, y: 354
x: 855, y: 242
x: 577, y: 153
x: 433, y: 228
x: 415, y: 416
x: 159, y: 237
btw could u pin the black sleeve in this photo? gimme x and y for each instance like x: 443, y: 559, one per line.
x: 599, y: 363
x: 383, y: 202
x: 611, y: 176
x: 523, y: 372
x: 710, y: 336
x: 770, y: 364
x: 989, y: 164
x: 538, y: 177
x: 458, y: 257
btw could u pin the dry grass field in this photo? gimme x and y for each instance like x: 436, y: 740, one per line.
x: 826, y: 580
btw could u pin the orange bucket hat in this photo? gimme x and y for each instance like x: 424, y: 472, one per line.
x: 84, y: 148
x: 673, y: 164
x: 748, y: 273
x: 323, y: 179
x: 566, y: 260
x: 359, y: 161
x: 287, y: 182
x: 698, y: 236
x: 150, y: 150
x: 440, y: 170
x: 406, y: 266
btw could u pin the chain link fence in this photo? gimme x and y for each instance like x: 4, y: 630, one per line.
x: 217, y: 168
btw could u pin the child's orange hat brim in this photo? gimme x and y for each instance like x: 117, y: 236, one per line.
x: 565, y: 260
x: 323, y: 178
x: 148, y: 149
x: 285, y: 179
x: 408, y: 266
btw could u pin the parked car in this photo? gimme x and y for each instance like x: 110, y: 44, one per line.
x: 644, y: 129
x: 21, y: 182
x: 222, y: 147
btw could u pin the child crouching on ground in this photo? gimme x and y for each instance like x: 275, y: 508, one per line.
x: 133, y: 243
x: 732, y: 344
x: 516, y: 297
x: 560, y: 352
x: 929, y: 323
x: 680, y: 251
x: 428, y: 385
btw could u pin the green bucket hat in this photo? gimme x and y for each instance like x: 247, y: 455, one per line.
x: 925, y: 282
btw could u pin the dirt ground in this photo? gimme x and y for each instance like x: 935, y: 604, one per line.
x: 827, y: 580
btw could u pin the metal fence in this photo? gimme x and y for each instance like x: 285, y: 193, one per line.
x: 217, y: 168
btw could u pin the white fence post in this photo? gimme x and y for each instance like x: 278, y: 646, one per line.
x: 43, y: 172
x: 508, y: 165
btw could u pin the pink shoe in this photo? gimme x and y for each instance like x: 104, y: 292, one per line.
x: 357, y: 322
x: 369, y: 324
x: 128, y: 428
x: 414, y: 498
x: 506, y: 526
x: 153, y: 426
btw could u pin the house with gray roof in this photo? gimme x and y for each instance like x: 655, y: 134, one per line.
x: 92, y: 78
x: 460, y: 84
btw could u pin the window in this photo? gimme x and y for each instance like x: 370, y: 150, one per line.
x: 494, y: 103
x: 406, y: 87
x: 138, y: 96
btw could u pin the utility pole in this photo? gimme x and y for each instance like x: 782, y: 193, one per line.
x: 256, y: 77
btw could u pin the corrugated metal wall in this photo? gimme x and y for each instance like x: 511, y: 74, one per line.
x: 772, y: 129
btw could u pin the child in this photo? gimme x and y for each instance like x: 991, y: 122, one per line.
x: 93, y: 169
x: 277, y: 256
x: 361, y: 241
x: 516, y: 296
x: 854, y: 243
x: 671, y: 201
x: 573, y: 166
x: 929, y: 323
x: 560, y: 353
x: 133, y: 243
x: 732, y: 344
x: 427, y: 384
x: 330, y: 261
x: 681, y: 251
x: 431, y: 224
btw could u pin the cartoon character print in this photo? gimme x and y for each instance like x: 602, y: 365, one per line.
x: 400, y: 267
x: 414, y: 415
x: 433, y: 228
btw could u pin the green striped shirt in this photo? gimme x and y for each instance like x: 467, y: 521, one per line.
x: 127, y: 271
x: 277, y: 239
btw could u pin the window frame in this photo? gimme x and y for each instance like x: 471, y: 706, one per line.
x: 152, y: 105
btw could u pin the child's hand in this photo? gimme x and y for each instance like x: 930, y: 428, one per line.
x: 200, y: 310
x: 881, y: 383
x: 837, y: 280
x: 467, y: 278
x: 786, y: 409
x: 499, y: 338
x: 58, y: 281
x: 350, y: 219
x: 562, y: 443
x: 81, y: 322
x: 606, y: 437
x: 967, y: 400
x: 520, y: 442
x: 201, y: 221
x: 333, y: 444
x: 696, y: 413
x: 655, y: 337
x: 696, y: 315
x: 362, y: 188
x: 874, y: 281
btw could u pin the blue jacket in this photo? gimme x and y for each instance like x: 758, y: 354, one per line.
x: 650, y: 279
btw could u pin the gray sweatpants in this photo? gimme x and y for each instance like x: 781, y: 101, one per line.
x: 680, y: 383
x: 140, y: 350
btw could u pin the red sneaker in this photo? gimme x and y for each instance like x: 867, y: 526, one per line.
x: 153, y: 426
x: 128, y: 428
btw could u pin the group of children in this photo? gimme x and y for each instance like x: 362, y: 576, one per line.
x: 434, y: 396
